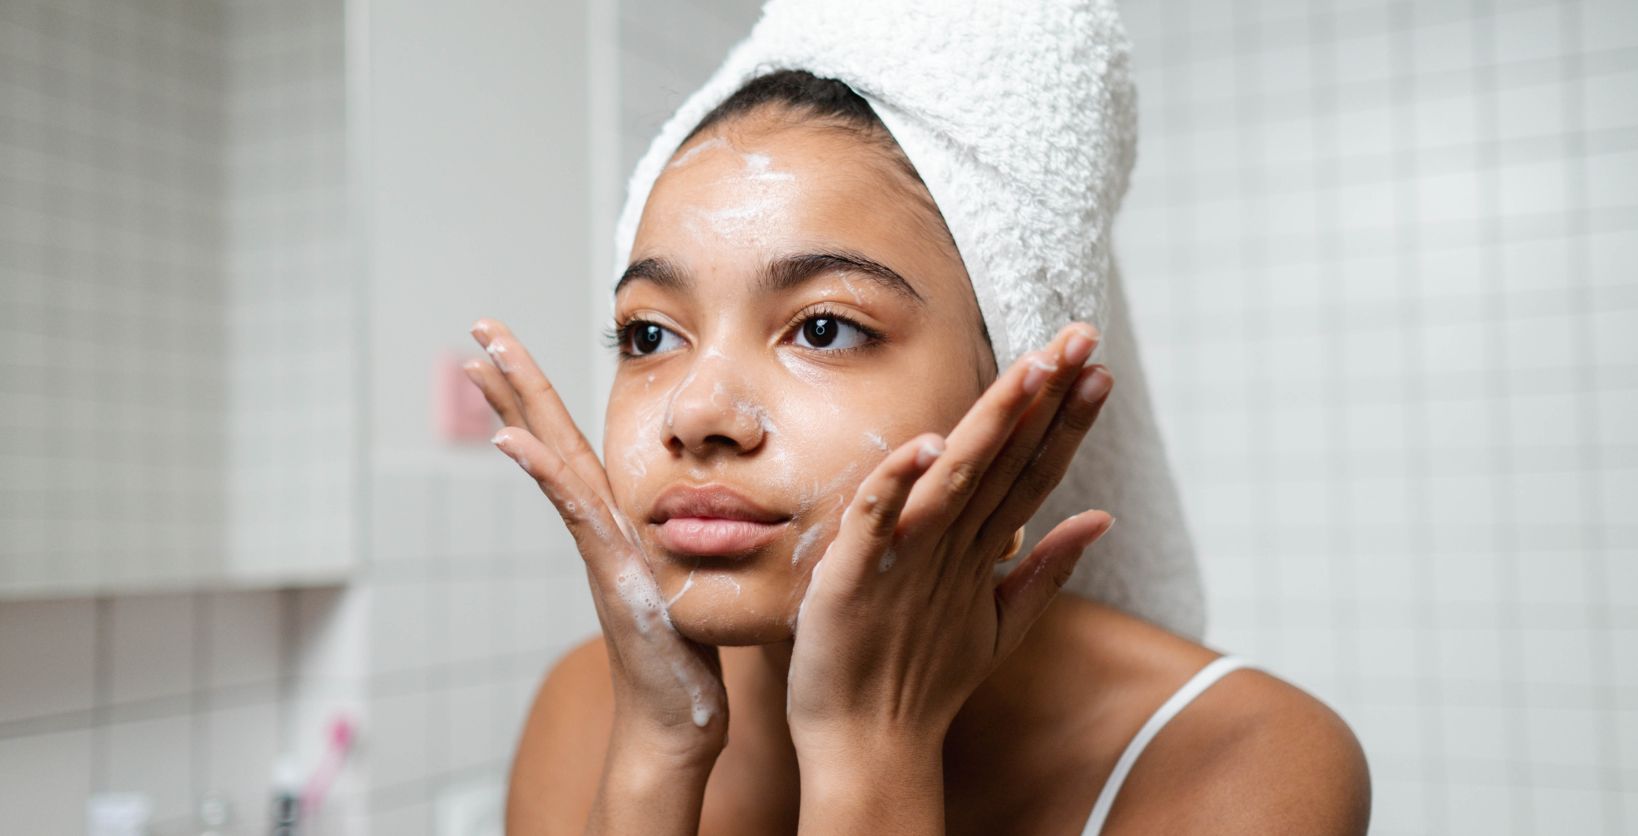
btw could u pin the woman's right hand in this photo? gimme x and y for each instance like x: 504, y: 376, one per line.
x: 669, y: 702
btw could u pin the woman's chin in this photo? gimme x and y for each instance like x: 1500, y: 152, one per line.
x: 734, y: 619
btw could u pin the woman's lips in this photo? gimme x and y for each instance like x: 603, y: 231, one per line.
x: 717, y: 536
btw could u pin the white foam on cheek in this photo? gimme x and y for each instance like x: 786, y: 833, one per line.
x: 876, y: 440
x: 687, y: 584
x: 671, y: 400
x: 813, y: 586
x: 813, y: 532
x: 805, y: 373
x: 757, y: 413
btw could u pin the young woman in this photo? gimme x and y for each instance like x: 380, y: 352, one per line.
x: 811, y: 467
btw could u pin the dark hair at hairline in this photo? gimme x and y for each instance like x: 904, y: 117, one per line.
x: 828, y: 103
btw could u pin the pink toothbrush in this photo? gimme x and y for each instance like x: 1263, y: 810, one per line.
x: 318, y: 786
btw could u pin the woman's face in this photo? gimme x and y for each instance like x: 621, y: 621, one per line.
x: 789, y: 316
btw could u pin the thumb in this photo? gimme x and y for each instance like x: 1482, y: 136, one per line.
x: 1024, y: 594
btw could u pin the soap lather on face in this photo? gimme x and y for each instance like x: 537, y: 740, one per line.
x: 789, y: 358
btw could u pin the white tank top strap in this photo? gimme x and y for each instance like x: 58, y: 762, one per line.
x: 1167, y: 710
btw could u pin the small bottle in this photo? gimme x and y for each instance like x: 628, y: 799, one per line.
x: 286, y: 797
x: 215, y: 815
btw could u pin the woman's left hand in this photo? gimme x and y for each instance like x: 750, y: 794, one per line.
x: 903, y: 617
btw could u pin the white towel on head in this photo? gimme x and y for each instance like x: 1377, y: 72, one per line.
x: 1020, y: 118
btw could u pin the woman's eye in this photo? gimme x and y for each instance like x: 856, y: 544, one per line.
x: 829, y: 332
x: 649, y: 338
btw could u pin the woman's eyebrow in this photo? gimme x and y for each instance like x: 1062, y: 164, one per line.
x: 791, y: 271
x: 781, y: 274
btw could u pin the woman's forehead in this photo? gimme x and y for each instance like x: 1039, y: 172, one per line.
x: 732, y: 203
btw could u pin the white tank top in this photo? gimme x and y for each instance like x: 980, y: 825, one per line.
x: 1167, y: 710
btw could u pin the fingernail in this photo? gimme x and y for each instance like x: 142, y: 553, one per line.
x: 481, y: 328
x: 1036, y: 377
x: 1078, y: 349
x: 929, y: 452
x: 501, y: 439
x: 1095, y: 385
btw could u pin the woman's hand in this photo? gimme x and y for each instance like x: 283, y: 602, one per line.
x: 670, y: 707
x: 903, y: 618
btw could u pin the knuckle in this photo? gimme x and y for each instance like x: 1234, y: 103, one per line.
x: 1079, y: 420
x: 1039, y: 478
x: 1014, y: 460
x: 963, y: 478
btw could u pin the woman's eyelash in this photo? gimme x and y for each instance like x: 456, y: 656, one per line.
x: 872, y: 336
x: 617, y: 337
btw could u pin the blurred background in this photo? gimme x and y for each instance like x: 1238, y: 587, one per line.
x: 1381, y: 257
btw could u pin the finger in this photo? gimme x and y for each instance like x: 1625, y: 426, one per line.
x: 1067, y: 354
x: 595, y: 530
x: 869, y: 522
x: 543, y: 411
x: 1051, y: 459
x: 937, y: 500
x: 1024, y: 594
x: 496, y: 391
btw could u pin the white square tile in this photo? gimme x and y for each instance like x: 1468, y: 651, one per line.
x: 471, y: 625
x: 152, y: 638
x: 395, y: 740
x: 1390, y: 651
x: 1561, y: 738
x: 1556, y: 657
x: 1611, y: 179
x: 241, y: 747
x: 1476, y: 732
x: 398, y: 626
x: 245, y: 637
x: 1567, y: 809
x: 1553, y: 578
x: 155, y: 758
x: 471, y: 727
x: 47, y: 657
x: 1477, y: 808
x: 331, y: 633
x: 47, y: 779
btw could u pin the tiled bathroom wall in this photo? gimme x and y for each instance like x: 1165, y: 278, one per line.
x: 1381, y: 256
x: 112, y: 368
x: 177, y: 368
x: 292, y: 333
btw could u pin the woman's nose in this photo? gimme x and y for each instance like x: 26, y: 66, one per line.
x: 711, y: 408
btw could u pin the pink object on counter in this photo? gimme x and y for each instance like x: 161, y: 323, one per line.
x: 318, y: 786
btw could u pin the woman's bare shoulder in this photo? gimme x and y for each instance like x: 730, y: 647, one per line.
x: 560, y: 753
x: 1251, y: 753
